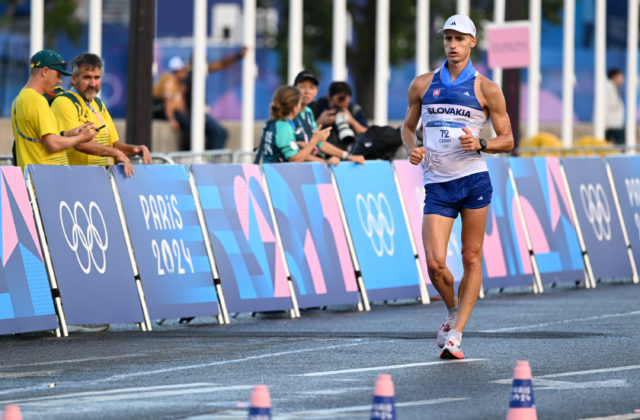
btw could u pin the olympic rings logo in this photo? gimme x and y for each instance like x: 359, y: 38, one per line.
x: 85, y: 235
x: 596, y: 207
x: 377, y: 222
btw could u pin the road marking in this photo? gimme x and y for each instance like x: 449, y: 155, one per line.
x: 335, y: 412
x: 180, y: 368
x: 616, y: 417
x: 389, y: 367
x: 125, y: 394
x: 29, y: 374
x: 589, y: 372
x: 541, y: 382
x: 564, y: 321
x: 86, y: 359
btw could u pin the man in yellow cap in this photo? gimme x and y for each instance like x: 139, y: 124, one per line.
x: 80, y: 105
x: 35, y: 129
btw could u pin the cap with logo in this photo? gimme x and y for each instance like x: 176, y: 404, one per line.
x: 176, y: 63
x: 50, y: 59
x: 306, y: 75
x: 460, y: 23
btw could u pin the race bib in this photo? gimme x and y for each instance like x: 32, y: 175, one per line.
x: 443, y: 135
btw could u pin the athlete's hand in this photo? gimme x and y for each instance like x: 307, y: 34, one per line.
x: 468, y: 142
x: 76, y: 130
x: 417, y: 155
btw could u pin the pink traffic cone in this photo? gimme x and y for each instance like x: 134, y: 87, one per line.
x: 260, y: 403
x: 11, y: 412
x: 384, y: 406
x: 522, y: 406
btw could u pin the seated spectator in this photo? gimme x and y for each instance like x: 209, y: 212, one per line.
x: 307, y: 82
x: 346, y: 118
x: 168, y: 99
x: 281, y: 139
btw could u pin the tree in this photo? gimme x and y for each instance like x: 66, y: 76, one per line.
x: 58, y: 16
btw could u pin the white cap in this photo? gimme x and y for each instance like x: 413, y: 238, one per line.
x: 176, y: 63
x: 460, y: 23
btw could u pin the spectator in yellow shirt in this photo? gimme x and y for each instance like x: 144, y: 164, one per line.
x: 38, y: 139
x: 80, y: 105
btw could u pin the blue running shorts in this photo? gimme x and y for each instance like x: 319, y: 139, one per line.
x: 449, y: 198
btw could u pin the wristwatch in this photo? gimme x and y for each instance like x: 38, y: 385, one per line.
x: 483, y: 145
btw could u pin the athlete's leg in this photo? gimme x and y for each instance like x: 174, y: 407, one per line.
x: 473, y: 228
x: 436, y: 230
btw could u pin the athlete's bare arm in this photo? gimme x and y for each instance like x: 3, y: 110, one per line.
x: 492, y: 101
x: 417, y: 89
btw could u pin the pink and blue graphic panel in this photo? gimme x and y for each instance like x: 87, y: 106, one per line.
x: 626, y: 178
x: 412, y: 190
x: 545, y: 205
x: 505, y: 254
x: 87, y: 244
x: 313, y: 237
x: 378, y: 229
x: 247, y: 254
x: 167, y: 241
x: 597, y: 215
x: 25, y: 296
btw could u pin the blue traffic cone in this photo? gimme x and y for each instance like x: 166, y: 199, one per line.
x: 384, y: 406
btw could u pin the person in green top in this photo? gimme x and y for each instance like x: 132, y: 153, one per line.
x: 282, y: 141
x: 307, y: 82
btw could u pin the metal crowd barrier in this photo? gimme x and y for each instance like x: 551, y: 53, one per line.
x: 241, y: 156
x: 208, y: 156
x: 156, y: 159
x: 6, y: 160
x: 577, y: 151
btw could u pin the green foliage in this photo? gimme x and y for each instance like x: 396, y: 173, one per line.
x: 58, y: 17
x: 317, y: 28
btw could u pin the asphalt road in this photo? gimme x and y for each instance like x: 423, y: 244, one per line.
x: 583, y: 347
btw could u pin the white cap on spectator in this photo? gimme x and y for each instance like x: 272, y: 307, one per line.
x: 460, y: 23
x: 176, y: 63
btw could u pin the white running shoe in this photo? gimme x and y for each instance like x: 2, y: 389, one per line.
x: 452, y: 349
x: 443, y: 333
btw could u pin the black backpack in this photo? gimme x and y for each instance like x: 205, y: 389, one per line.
x: 378, y: 142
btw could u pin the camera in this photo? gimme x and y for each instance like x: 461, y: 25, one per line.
x: 345, y: 133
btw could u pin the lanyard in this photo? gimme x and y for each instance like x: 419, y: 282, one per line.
x: 90, y: 107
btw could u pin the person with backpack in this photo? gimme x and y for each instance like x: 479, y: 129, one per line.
x: 281, y: 141
x: 80, y: 104
x: 38, y: 138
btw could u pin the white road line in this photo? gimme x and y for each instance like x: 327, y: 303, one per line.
x: 124, y: 394
x: 331, y: 412
x: 87, y: 359
x: 29, y: 374
x: 616, y: 417
x: 578, y: 373
x: 543, y: 381
x: 389, y: 367
x: 186, y: 367
x: 564, y: 321
x: 589, y: 372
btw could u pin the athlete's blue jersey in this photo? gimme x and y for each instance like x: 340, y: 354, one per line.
x: 447, y: 107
